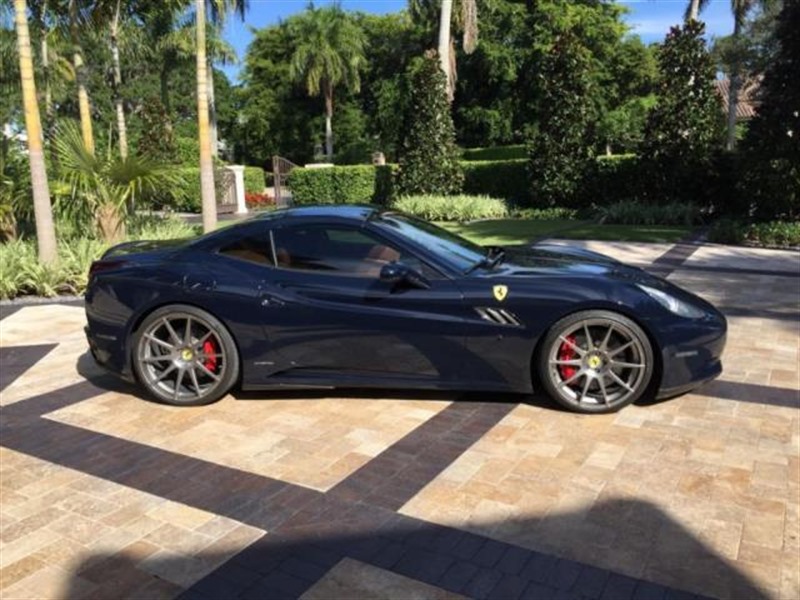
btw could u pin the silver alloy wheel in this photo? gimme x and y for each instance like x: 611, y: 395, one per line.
x: 181, y: 358
x: 597, y: 362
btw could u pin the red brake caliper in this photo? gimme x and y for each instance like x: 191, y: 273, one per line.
x: 567, y: 352
x: 210, y: 349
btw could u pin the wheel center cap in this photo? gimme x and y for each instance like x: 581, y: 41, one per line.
x: 187, y: 354
x: 594, y: 362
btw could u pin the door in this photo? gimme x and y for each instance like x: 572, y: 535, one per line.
x: 326, y: 310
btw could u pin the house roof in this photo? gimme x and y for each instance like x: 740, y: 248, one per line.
x: 747, y: 106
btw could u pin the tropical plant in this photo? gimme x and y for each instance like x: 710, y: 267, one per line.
x: 460, y: 208
x: 45, y: 231
x: 103, y: 188
x: 428, y: 155
x: 329, y: 52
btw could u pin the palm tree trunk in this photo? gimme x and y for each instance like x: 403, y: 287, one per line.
x: 207, y: 192
x: 212, y: 111
x: 445, y: 17
x: 43, y: 212
x: 122, y: 127
x: 80, y: 78
x: 694, y: 10
x: 329, y: 121
x: 733, y: 90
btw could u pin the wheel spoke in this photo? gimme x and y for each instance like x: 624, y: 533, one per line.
x: 199, y: 344
x: 602, y: 382
x: 571, y: 379
x: 616, y: 351
x: 626, y: 365
x: 162, y: 343
x: 586, y: 383
x: 164, y: 373
x: 589, y: 341
x: 156, y: 359
x: 577, y: 348
x: 209, y: 356
x: 187, y: 335
x: 178, y: 383
x: 173, y: 334
x: 604, y: 344
x: 211, y: 374
x: 574, y: 362
x: 619, y: 380
x: 193, y: 376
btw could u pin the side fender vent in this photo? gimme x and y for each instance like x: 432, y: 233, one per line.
x: 499, y: 316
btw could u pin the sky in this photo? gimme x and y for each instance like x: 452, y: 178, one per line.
x: 650, y: 19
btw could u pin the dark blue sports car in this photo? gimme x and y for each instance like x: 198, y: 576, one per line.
x: 351, y: 296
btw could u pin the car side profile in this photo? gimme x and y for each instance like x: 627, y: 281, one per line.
x: 360, y: 296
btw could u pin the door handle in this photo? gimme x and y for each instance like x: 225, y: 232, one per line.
x: 192, y: 284
x: 270, y: 301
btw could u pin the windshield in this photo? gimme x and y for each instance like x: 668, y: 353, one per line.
x: 461, y: 253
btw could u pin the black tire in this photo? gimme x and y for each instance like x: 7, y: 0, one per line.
x: 579, y: 364
x: 209, y: 357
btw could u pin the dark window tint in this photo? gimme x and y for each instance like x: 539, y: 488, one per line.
x: 329, y: 249
x: 252, y: 249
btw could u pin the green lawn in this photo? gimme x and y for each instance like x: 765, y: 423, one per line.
x: 504, y: 232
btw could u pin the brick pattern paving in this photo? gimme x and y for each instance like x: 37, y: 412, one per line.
x: 104, y: 495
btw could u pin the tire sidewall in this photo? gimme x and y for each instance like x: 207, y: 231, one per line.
x: 551, y: 337
x: 230, y: 375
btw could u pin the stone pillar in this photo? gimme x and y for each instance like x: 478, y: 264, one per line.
x: 238, y: 174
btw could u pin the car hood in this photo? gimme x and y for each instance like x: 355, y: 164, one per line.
x: 550, y: 259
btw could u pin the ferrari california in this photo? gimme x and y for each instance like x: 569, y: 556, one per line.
x: 360, y: 296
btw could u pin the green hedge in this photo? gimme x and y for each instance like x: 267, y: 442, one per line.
x: 187, y: 196
x: 254, y: 181
x: 515, y: 152
x: 505, y: 179
x: 342, y: 185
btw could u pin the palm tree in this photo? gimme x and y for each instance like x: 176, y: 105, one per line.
x: 740, y: 10
x: 329, y: 52
x: 78, y: 16
x: 43, y: 212
x: 122, y: 127
x: 467, y: 21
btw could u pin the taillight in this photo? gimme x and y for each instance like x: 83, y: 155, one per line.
x: 99, y: 266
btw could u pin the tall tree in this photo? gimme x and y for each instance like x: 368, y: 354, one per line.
x: 45, y: 230
x: 78, y: 14
x: 329, y: 53
x: 207, y: 192
x: 740, y: 10
x: 122, y: 128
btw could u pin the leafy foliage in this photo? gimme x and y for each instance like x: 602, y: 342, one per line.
x: 157, y: 140
x: 497, y: 178
x: 636, y: 213
x: 429, y: 158
x: 772, y: 146
x: 339, y: 185
x: 685, y: 127
x: 452, y: 208
x: 512, y: 152
x: 561, y: 148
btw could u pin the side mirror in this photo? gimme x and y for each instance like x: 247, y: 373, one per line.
x: 396, y: 273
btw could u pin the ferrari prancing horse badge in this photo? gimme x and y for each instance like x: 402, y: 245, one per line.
x: 500, y: 292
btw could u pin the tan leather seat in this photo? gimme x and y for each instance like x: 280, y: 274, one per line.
x: 383, y: 253
x: 283, y: 258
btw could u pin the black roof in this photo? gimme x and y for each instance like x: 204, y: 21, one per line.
x: 359, y: 212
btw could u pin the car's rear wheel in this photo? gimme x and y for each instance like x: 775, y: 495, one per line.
x: 185, y: 356
x: 595, y: 361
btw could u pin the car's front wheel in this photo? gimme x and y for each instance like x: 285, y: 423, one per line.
x: 595, y: 361
x: 184, y: 356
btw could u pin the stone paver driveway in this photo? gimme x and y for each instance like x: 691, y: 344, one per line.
x: 410, y: 495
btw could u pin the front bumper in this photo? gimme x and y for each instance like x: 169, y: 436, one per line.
x: 693, y: 361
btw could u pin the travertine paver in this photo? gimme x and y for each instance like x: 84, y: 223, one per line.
x: 311, y: 442
x: 638, y: 254
x: 60, y: 528
x: 728, y: 257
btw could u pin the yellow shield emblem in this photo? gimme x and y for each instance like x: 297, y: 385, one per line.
x: 500, y: 292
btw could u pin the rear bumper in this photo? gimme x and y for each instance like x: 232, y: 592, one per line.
x: 106, y: 351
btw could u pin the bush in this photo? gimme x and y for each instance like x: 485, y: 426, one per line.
x: 258, y: 201
x: 636, y: 213
x: 341, y: 185
x: 727, y: 231
x: 499, y: 178
x: 452, y: 208
x: 515, y: 152
x: 254, y: 181
x: 556, y: 213
x: 428, y: 159
x: 775, y: 233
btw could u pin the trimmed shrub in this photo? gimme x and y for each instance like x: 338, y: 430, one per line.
x: 499, y: 178
x: 452, y: 208
x: 515, y: 152
x: 254, y: 181
x: 775, y: 233
x: 630, y: 212
x: 340, y: 185
x: 556, y: 213
x: 727, y: 231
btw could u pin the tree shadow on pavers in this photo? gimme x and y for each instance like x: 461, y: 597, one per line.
x: 615, y: 549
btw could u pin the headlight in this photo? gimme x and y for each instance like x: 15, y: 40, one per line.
x: 671, y: 303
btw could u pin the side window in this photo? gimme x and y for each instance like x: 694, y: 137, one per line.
x: 255, y: 249
x: 333, y: 249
